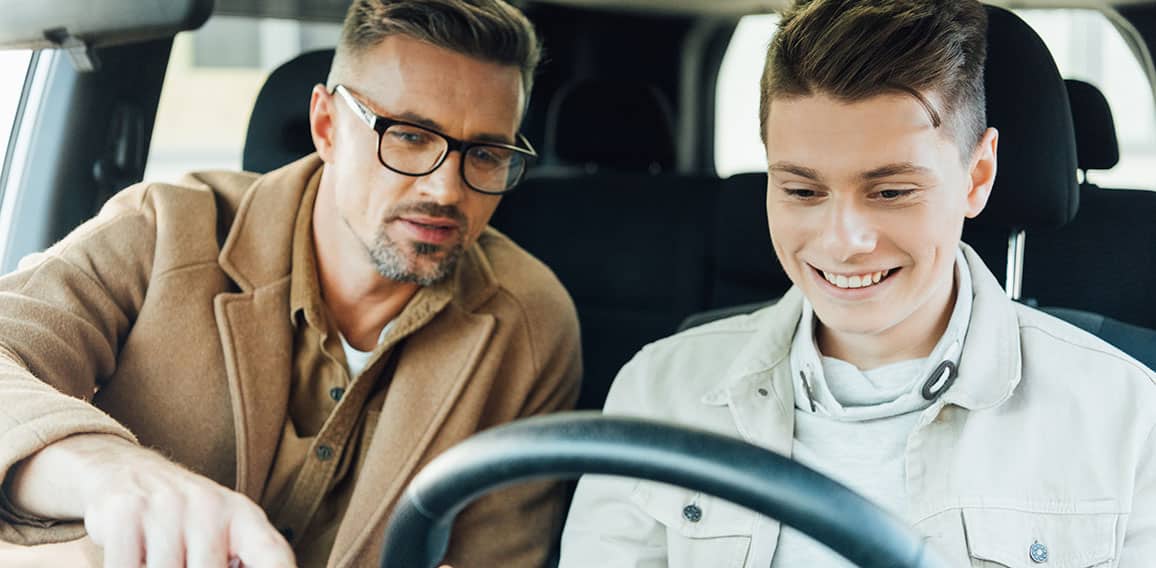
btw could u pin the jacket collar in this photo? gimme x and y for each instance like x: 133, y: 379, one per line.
x: 258, y: 250
x: 256, y: 337
x: 989, y: 368
x: 768, y: 347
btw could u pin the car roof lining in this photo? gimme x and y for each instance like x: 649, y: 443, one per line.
x: 329, y: 10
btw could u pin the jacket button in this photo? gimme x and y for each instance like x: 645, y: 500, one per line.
x: 336, y: 393
x: 1039, y: 553
x: 692, y: 513
x: 324, y: 453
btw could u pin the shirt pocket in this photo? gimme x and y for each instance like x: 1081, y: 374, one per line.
x: 1013, y: 538
x: 701, y: 530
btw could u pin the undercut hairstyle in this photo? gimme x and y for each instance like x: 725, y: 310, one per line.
x: 489, y: 30
x: 852, y: 50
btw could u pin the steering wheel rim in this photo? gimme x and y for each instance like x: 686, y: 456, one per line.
x: 568, y: 445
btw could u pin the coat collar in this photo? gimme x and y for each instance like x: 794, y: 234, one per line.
x: 256, y: 337
x: 258, y: 249
x: 989, y: 368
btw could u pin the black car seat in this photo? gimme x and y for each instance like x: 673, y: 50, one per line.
x: 601, y: 124
x: 1105, y: 259
x: 279, y: 125
x: 627, y: 237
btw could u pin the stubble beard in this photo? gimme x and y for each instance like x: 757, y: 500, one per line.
x: 394, y: 262
x: 416, y: 262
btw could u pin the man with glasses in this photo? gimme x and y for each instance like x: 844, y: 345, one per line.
x: 294, y: 347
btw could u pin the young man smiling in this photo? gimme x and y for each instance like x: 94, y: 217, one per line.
x: 244, y: 368
x: 895, y: 364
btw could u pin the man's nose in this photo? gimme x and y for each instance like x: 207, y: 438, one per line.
x: 445, y: 185
x: 850, y: 230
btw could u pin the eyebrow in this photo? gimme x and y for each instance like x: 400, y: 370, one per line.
x: 870, y: 175
x: 894, y: 170
x: 801, y: 171
x: 433, y: 125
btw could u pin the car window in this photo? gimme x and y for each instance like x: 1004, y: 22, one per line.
x: 13, y: 71
x: 13, y: 68
x: 1084, y: 42
x: 737, y: 146
x: 213, y: 78
x: 1087, y: 46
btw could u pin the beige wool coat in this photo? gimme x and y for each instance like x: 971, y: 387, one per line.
x: 165, y: 320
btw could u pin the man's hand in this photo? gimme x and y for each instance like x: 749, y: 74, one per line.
x: 145, y: 510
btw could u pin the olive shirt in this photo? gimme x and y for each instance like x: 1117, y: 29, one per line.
x: 165, y: 320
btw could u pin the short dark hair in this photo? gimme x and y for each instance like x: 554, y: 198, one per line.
x: 490, y: 30
x: 852, y: 50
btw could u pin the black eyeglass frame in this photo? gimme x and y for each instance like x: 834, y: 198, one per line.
x: 380, y: 124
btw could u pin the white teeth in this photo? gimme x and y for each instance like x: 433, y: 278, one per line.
x: 856, y: 281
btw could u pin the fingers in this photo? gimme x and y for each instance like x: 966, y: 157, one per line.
x: 163, y: 516
x: 206, y: 543
x: 257, y: 544
x: 123, y: 543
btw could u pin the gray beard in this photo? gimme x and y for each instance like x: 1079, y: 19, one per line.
x: 394, y: 262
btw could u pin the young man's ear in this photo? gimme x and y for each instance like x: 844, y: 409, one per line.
x: 983, y: 166
x: 321, y: 117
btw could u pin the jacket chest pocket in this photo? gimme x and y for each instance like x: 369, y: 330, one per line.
x: 701, y: 530
x: 1006, y: 537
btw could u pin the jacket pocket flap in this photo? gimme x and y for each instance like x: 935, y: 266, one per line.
x: 693, y: 514
x: 1058, y: 540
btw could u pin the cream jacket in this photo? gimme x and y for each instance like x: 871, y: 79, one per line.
x: 1045, y: 437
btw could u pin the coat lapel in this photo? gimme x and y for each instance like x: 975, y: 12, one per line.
x: 254, y: 325
x: 433, y: 369
x: 257, y: 347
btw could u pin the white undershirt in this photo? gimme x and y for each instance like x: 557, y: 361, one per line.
x: 857, y: 433
x: 355, y: 359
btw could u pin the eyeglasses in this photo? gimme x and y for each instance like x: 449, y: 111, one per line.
x: 413, y: 150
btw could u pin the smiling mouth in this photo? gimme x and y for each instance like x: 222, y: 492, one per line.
x: 854, y: 281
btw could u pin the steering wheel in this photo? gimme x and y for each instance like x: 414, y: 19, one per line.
x: 568, y: 445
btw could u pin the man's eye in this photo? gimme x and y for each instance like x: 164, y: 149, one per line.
x: 408, y: 136
x: 491, y: 156
x: 800, y: 193
x: 893, y: 194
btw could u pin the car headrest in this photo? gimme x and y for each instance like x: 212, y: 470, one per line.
x: 1027, y: 102
x: 619, y: 125
x: 279, y: 126
x: 1096, y: 145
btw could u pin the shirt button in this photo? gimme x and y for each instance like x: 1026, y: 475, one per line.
x: 1039, y: 553
x: 692, y: 513
x: 324, y: 453
x: 336, y: 393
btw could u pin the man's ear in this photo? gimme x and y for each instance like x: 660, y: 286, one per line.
x: 321, y: 121
x: 983, y: 166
